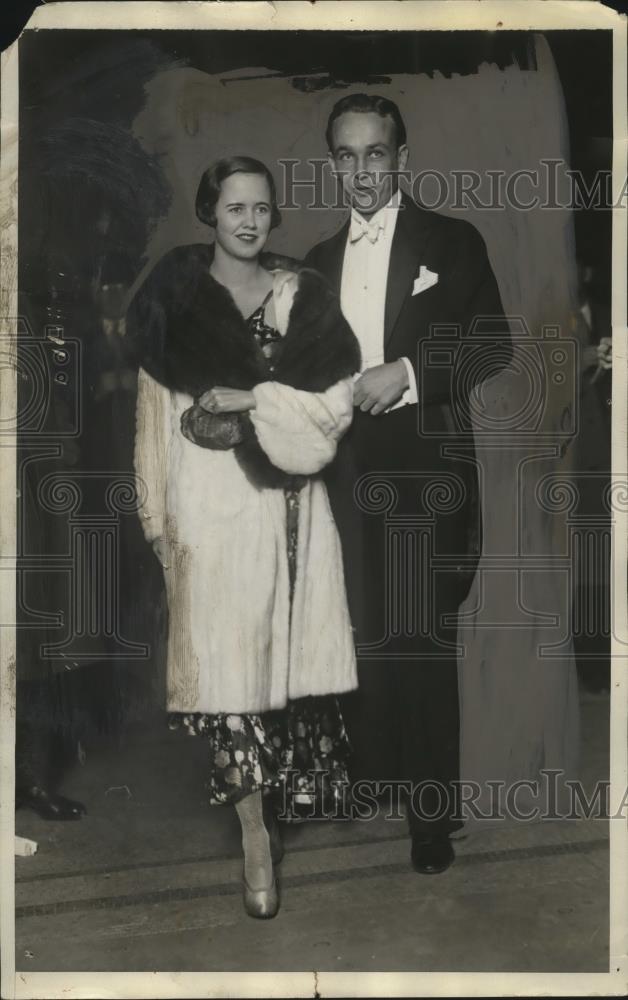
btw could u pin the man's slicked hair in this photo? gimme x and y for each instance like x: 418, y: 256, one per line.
x: 363, y: 104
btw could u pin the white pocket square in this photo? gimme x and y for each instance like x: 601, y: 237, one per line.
x: 425, y: 280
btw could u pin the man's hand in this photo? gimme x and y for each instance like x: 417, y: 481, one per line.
x: 378, y: 388
x: 598, y: 355
x: 605, y: 353
x: 160, y: 548
x: 223, y: 400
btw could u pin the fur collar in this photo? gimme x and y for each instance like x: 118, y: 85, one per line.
x: 186, y: 331
x: 189, y: 334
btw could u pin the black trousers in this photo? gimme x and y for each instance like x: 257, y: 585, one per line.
x: 403, y: 720
x: 56, y: 711
x: 403, y: 725
x: 37, y: 746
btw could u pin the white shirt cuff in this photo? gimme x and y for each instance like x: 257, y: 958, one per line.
x: 411, y: 394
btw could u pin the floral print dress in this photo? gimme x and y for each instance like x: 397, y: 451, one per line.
x: 297, y: 754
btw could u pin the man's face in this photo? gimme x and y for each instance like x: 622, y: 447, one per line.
x: 366, y: 157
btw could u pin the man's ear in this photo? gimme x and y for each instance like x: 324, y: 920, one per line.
x: 402, y: 156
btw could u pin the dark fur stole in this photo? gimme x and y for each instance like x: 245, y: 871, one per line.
x: 186, y: 331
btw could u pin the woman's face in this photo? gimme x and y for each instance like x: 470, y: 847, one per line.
x: 243, y: 214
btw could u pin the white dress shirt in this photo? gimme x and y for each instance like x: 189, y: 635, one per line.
x: 363, y: 286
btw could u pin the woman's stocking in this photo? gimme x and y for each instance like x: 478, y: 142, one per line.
x: 258, y: 865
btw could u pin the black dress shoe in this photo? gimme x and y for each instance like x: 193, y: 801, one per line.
x: 48, y: 805
x: 430, y: 857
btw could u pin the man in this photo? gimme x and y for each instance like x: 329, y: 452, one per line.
x: 401, y: 270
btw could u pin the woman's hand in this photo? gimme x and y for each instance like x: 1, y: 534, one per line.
x: 220, y: 399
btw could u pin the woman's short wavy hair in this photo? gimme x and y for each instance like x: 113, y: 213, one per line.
x: 212, y: 180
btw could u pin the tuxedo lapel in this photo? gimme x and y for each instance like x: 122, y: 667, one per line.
x: 411, y: 236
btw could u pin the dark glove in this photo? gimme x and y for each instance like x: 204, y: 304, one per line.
x: 219, y: 431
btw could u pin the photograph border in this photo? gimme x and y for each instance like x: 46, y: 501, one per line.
x: 334, y: 15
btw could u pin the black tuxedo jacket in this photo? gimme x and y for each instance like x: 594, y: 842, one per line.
x: 466, y: 289
x: 419, y: 447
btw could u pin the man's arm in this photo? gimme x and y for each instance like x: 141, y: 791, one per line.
x: 384, y: 385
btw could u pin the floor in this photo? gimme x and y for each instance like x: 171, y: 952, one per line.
x: 150, y: 880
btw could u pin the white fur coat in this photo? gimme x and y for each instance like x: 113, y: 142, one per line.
x: 233, y: 645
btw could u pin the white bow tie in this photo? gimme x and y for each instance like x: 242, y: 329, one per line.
x: 360, y: 227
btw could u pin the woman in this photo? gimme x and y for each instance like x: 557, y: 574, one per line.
x: 244, y: 391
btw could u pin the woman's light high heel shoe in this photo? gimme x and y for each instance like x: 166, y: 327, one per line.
x: 261, y: 903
